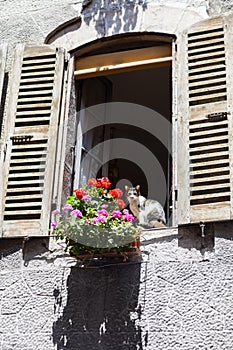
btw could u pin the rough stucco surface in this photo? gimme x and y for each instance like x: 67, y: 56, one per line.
x: 175, y: 298
x: 179, y: 297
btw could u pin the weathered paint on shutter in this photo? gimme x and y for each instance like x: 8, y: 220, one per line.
x: 33, y: 117
x: 3, y: 52
x: 205, y: 182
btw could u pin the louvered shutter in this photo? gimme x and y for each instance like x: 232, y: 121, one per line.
x: 205, y: 181
x: 33, y: 117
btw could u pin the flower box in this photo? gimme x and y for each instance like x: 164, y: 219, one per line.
x: 94, y: 222
x: 124, y: 252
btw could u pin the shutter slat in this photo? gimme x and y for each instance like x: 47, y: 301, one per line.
x: 210, y: 156
x: 21, y: 197
x: 205, y: 76
x: 31, y: 99
x: 212, y: 96
x: 208, y: 179
x: 33, y: 75
x: 199, y: 123
x: 209, y: 187
x: 25, y: 212
x: 39, y: 62
x: 34, y: 80
x: 200, y: 53
x: 209, y: 89
x: 38, y: 67
x: 217, y: 162
x: 209, y: 61
x: 33, y: 112
x: 206, y: 172
x: 24, y: 183
x: 207, y: 49
x: 25, y: 189
x: 211, y: 133
x: 23, y: 205
x: 29, y: 160
x: 200, y: 36
x: 210, y: 81
x: 211, y: 195
x: 47, y: 87
x: 212, y: 42
x: 207, y: 139
x: 215, y: 66
x: 33, y: 105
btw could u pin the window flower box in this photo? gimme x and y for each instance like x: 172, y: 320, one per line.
x: 95, y: 223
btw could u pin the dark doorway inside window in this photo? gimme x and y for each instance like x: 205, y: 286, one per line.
x: 150, y: 88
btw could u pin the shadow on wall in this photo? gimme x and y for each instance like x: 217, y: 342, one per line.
x: 100, y: 310
x: 118, y: 15
x: 114, y: 17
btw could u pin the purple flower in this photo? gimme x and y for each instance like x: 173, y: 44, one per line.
x: 86, y: 198
x: 117, y: 214
x: 77, y: 213
x: 126, y: 212
x: 104, y: 206
x: 128, y: 217
x: 99, y: 219
x: 56, y: 211
x: 53, y: 223
x: 103, y: 212
x: 67, y: 207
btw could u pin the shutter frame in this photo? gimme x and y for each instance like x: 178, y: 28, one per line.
x: 33, y: 110
x: 204, y: 194
x: 3, y: 57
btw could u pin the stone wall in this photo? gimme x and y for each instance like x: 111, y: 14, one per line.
x: 174, y: 297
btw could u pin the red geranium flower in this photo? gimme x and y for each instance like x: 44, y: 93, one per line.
x: 80, y: 193
x: 121, y: 203
x: 116, y: 193
x: 105, y: 183
x: 92, y: 182
x: 98, y: 183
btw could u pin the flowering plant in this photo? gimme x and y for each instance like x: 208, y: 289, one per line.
x: 94, y: 220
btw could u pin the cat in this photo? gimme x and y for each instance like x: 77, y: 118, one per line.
x: 149, y: 212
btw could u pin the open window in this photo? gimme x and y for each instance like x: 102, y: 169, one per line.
x: 134, y: 77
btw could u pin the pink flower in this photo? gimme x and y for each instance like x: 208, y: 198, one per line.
x: 104, y: 206
x: 103, y: 212
x: 67, y: 207
x: 77, y: 213
x: 99, y: 219
x: 53, y: 223
x: 86, y: 198
x: 128, y: 217
x: 56, y: 211
x: 126, y: 212
x: 117, y: 214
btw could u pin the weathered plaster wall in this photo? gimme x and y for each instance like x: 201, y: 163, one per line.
x: 178, y: 297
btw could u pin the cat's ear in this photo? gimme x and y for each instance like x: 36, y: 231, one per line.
x: 137, y: 187
x: 126, y: 188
